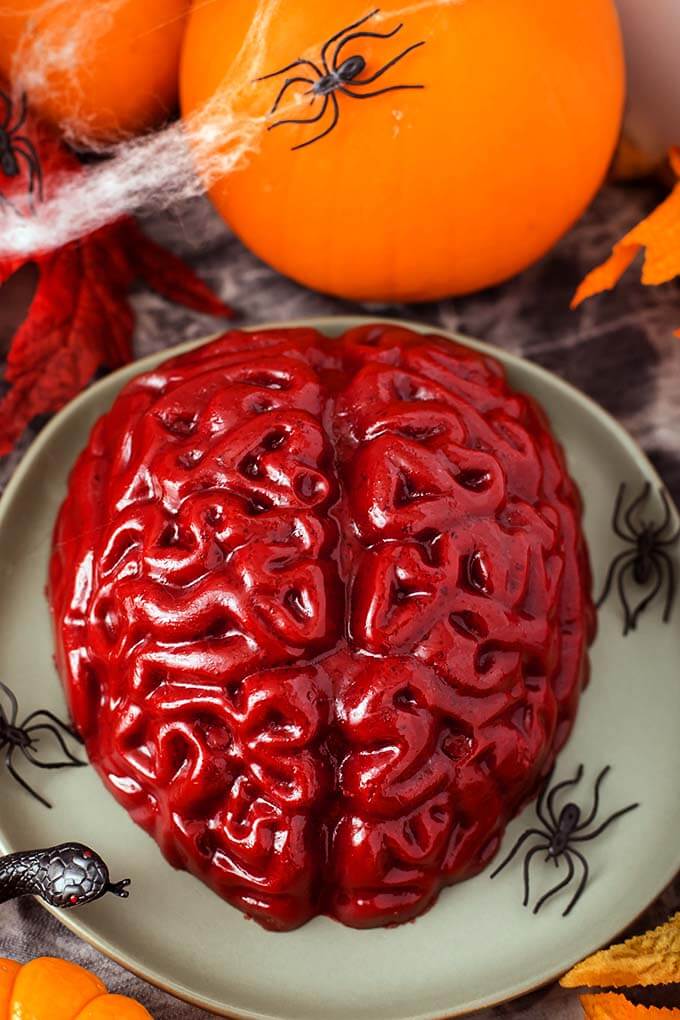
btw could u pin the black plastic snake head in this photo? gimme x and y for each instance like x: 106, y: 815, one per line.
x: 68, y: 875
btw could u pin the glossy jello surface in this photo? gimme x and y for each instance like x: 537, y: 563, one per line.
x: 322, y: 610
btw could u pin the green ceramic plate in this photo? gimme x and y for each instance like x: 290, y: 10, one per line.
x: 478, y: 945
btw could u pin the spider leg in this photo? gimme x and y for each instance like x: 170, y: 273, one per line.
x: 672, y: 539
x: 628, y: 621
x: 327, y: 131
x: 600, y: 829
x: 13, y: 702
x: 22, y: 782
x: 616, y: 516
x: 362, y: 35
x: 520, y: 842
x: 34, y: 168
x: 670, y: 597
x: 54, y: 719
x: 610, y: 575
x: 23, y: 113
x: 560, y: 885
x: 596, y: 800
x: 561, y: 786
x: 8, y: 110
x: 303, y: 120
x: 51, y: 765
x: 628, y: 516
x: 379, y: 92
x: 284, y: 88
x: 582, y: 883
x: 667, y: 514
x: 25, y: 143
x: 527, y: 864
x: 60, y: 740
x: 391, y: 63
x: 338, y: 35
x: 642, y: 605
x: 539, y: 805
x: 289, y: 67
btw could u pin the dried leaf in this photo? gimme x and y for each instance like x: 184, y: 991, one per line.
x: 611, y: 1006
x: 649, y: 959
x: 80, y: 322
x: 658, y: 234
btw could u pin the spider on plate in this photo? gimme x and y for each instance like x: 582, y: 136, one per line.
x: 336, y: 76
x: 559, y: 835
x: 24, y: 737
x: 646, y: 560
x: 15, y: 146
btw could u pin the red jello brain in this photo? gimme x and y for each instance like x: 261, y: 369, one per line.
x: 322, y: 612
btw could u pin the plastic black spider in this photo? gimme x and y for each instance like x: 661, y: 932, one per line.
x: 24, y: 737
x: 645, y: 561
x: 15, y: 146
x: 334, y: 76
x: 559, y: 835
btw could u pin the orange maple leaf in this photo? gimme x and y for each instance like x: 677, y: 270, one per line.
x: 658, y: 234
x: 611, y: 1006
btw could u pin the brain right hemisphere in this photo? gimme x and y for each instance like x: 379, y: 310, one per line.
x: 321, y: 611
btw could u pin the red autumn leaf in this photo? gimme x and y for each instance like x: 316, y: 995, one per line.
x: 80, y: 321
x: 169, y: 276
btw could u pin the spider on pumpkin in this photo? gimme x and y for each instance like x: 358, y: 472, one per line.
x: 645, y: 560
x: 14, y: 146
x: 335, y: 76
x: 24, y: 737
x: 559, y: 834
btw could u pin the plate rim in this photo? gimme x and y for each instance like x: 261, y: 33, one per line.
x: 323, y: 324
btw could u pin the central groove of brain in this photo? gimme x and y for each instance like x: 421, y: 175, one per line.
x: 321, y: 610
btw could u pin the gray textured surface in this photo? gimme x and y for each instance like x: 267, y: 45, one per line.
x: 619, y: 348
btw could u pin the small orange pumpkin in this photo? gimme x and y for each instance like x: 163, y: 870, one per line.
x: 101, y: 71
x: 418, y: 194
x: 51, y: 989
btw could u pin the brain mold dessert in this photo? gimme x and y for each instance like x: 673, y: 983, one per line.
x: 322, y: 610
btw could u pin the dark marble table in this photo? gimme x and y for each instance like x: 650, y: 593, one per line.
x: 619, y: 348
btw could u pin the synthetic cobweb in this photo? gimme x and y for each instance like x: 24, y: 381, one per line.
x: 157, y: 170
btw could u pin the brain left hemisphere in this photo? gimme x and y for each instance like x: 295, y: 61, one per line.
x: 204, y: 583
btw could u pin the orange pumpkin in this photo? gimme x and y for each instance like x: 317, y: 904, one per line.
x: 102, y: 71
x: 51, y: 989
x: 418, y: 194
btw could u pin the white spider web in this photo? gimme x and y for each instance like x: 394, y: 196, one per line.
x: 157, y: 170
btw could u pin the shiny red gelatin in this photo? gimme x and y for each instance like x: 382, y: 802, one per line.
x: 322, y: 610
